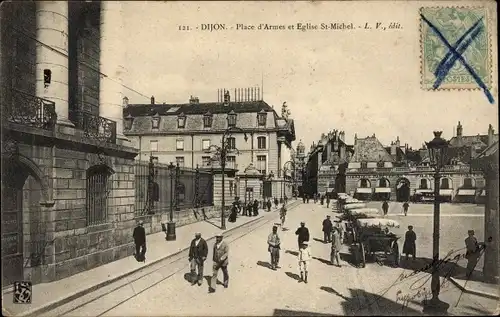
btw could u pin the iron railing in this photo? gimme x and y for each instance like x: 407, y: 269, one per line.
x: 157, y: 185
x: 95, y: 127
x: 26, y: 109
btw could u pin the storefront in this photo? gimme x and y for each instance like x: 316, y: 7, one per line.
x: 446, y: 195
x: 363, y: 193
x: 382, y: 193
x: 466, y: 195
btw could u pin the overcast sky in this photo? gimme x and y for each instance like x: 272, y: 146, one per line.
x: 362, y: 82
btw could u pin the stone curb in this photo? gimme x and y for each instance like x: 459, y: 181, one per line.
x: 469, y: 290
x: 59, y: 302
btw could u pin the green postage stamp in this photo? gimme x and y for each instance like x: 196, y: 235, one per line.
x: 466, y: 30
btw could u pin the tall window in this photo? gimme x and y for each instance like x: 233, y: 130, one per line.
x: 155, y: 121
x: 262, y: 164
x: 364, y: 183
x: 424, y: 184
x: 262, y: 118
x: 181, y: 121
x: 382, y: 182
x: 205, y: 144
x: 445, y: 183
x: 97, y: 195
x: 261, y: 142
x: 231, y: 119
x: 153, y: 146
x: 231, y: 161
x: 205, y: 161
x: 179, y: 145
x: 207, y: 120
x: 231, y: 142
x: 468, y: 183
x: 180, y: 160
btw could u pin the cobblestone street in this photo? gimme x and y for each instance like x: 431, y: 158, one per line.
x: 254, y: 289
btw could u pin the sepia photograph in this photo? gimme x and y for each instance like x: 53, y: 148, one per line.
x: 249, y: 158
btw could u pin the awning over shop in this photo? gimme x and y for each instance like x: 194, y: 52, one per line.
x: 445, y: 192
x: 466, y: 192
x: 419, y: 191
x: 364, y: 190
x: 382, y: 190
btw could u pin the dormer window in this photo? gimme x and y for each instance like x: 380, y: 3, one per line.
x: 181, y: 121
x: 231, y: 119
x: 128, y: 122
x: 155, y: 121
x: 207, y: 120
x: 262, y: 118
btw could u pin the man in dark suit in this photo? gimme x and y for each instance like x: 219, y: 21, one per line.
x: 220, y: 258
x: 140, y: 242
x: 198, y: 252
x: 302, y: 233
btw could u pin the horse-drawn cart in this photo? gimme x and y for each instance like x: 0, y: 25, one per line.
x: 372, y: 239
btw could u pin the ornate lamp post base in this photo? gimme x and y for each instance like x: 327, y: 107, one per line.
x: 435, y: 306
x: 171, y: 231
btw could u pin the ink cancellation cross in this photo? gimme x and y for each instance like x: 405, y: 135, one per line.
x: 455, y: 54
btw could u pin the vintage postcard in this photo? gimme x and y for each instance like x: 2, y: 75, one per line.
x: 249, y: 158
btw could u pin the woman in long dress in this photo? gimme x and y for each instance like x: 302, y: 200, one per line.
x: 409, y: 246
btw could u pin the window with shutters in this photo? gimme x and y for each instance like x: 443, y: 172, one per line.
x: 445, y: 183
x: 468, y: 183
x: 262, y: 164
x: 424, y: 184
x: 231, y: 161
x: 231, y: 143
x: 261, y: 142
x: 98, y: 189
x: 207, y: 120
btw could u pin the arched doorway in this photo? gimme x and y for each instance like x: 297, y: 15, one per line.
x: 403, y: 189
x: 13, y: 179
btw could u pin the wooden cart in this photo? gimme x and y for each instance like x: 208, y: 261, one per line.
x: 373, y: 240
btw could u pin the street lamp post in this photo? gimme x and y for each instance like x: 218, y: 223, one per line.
x: 437, y: 149
x: 171, y: 236
x: 222, y: 152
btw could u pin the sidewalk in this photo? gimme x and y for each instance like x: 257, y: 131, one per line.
x: 477, y: 288
x: 47, y: 296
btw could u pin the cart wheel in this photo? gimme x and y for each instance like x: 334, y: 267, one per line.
x: 395, y: 253
x: 363, y: 255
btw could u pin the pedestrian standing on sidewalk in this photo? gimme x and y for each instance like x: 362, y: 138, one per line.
x: 140, y: 242
x: 409, y: 246
x: 256, y: 207
x: 340, y: 228
x: 327, y: 229
x: 220, y: 258
x: 249, y: 208
x: 273, y: 242
x: 302, y: 234
x: 304, y: 258
x: 269, y: 205
x: 385, y: 207
x: 276, y: 202
x: 303, y: 198
x: 198, y: 252
x: 405, y: 208
x: 327, y: 201
x: 336, y: 243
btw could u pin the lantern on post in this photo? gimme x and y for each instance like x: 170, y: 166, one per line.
x: 438, y: 151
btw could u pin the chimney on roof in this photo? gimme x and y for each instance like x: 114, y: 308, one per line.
x: 398, y: 144
x: 125, y: 103
x: 152, y: 100
x: 194, y: 100
x: 459, y: 129
x: 227, y: 97
x: 491, y: 133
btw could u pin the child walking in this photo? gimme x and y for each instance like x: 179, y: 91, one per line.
x: 304, y: 258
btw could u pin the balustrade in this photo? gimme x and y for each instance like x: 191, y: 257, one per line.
x: 30, y: 110
x: 94, y: 126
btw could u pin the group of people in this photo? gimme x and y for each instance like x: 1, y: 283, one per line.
x: 334, y: 235
x: 251, y: 209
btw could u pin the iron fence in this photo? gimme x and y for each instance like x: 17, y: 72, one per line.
x: 161, y: 187
x: 23, y: 108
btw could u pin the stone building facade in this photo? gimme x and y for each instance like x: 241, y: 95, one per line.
x: 67, y: 170
x: 190, y: 133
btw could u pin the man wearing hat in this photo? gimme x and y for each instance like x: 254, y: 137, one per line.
x: 273, y: 241
x: 302, y: 233
x: 473, y: 252
x: 327, y: 229
x: 140, y: 242
x: 198, y: 252
x: 220, y: 258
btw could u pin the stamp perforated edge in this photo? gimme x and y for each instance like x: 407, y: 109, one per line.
x: 490, y: 48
